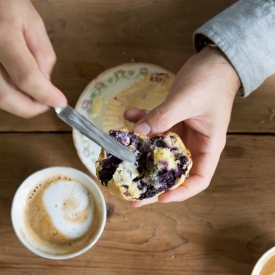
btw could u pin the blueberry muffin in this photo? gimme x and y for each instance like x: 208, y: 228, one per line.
x: 162, y: 163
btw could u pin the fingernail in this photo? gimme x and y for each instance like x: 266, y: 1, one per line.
x: 61, y: 105
x: 142, y: 128
x: 129, y: 120
x: 164, y: 201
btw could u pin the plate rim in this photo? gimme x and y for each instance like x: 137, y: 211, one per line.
x: 86, y: 89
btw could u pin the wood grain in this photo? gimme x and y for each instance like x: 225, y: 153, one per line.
x: 90, y: 36
x: 223, y: 230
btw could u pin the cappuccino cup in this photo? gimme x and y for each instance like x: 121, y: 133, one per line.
x: 266, y: 264
x: 58, y: 213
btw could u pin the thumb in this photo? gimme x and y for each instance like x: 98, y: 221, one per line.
x: 161, y: 118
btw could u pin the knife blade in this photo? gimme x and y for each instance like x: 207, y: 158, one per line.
x: 88, y: 129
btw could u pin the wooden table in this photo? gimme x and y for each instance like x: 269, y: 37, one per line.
x: 223, y: 230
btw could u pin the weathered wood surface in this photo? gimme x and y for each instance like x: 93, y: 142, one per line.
x: 91, y: 36
x: 223, y: 230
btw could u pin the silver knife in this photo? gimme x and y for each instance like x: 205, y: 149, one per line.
x: 88, y: 129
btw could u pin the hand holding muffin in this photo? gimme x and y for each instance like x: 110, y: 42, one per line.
x: 198, y: 109
x: 162, y: 163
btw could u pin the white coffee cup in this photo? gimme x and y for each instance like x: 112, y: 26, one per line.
x: 58, y: 213
x: 266, y: 264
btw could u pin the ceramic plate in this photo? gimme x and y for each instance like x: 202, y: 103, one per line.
x: 105, y: 99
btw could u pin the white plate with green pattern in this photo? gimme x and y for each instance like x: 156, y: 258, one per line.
x: 94, y: 99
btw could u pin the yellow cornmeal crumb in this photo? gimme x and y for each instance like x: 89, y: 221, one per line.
x: 133, y: 149
x: 164, y: 154
x: 134, y: 191
x: 125, y: 173
x: 168, y: 141
x: 174, y: 143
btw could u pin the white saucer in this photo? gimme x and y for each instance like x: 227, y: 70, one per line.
x: 95, y: 98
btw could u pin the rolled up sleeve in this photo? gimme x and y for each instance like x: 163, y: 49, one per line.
x: 245, y: 33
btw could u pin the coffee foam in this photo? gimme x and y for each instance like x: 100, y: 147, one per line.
x: 269, y: 266
x: 61, y: 215
x: 70, y: 207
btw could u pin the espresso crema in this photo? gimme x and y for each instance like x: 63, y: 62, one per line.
x: 62, y: 215
x: 269, y: 266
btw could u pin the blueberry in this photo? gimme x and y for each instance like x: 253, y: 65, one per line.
x: 105, y: 175
x: 145, y: 164
x: 109, y: 166
x: 158, y: 141
x: 184, y: 160
x: 167, y: 178
x: 164, y: 163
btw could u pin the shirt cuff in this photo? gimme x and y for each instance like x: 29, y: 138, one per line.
x: 245, y: 34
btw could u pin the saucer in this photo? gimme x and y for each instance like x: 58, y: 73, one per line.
x: 106, y: 98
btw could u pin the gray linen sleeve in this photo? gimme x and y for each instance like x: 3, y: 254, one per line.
x: 245, y: 32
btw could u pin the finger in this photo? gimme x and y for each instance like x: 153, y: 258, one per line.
x: 191, y: 187
x: 40, y: 46
x: 179, y: 105
x: 134, y: 114
x: 144, y: 202
x: 14, y: 101
x: 163, y: 117
x: 24, y: 71
x: 199, y: 179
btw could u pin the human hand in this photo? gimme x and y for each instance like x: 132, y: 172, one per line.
x: 27, y: 59
x: 198, y: 109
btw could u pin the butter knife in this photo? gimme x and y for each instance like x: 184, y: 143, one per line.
x: 88, y: 129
